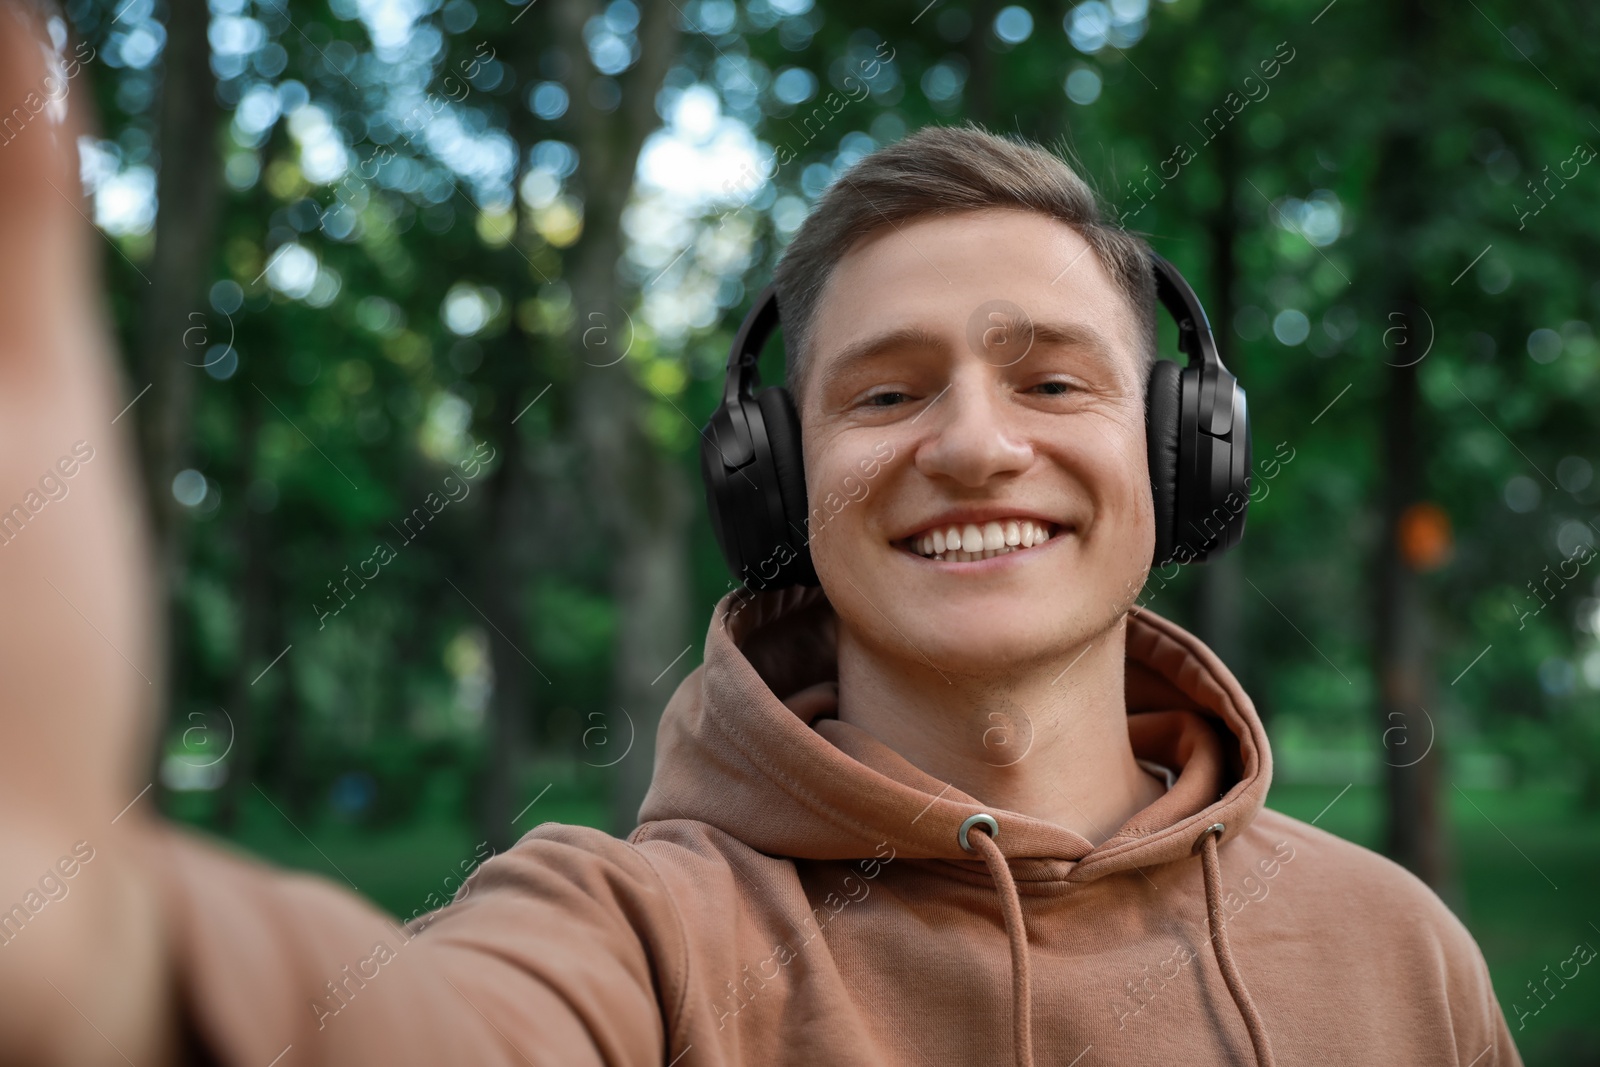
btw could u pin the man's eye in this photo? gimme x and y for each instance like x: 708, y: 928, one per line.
x: 1057, y: 388
x: 877, y: 399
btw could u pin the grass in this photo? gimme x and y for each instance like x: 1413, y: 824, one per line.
x: 1528, y: 863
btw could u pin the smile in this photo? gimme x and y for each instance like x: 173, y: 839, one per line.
x: 971, y: 542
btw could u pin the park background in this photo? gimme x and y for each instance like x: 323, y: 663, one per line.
x: 458, y: 279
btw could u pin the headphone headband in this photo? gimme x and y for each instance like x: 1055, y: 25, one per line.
x: 758, y: 325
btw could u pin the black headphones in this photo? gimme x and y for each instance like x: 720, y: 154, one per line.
x: 1196, y: 422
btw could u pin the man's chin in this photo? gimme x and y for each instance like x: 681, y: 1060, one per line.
x: 951, y: 641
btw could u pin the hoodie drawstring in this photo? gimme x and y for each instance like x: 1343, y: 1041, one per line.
x: 1017, y: 934
x: 1219, y: 946
x: 1011, y: 909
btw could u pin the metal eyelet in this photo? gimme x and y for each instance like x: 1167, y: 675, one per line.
x: 1215, y: 828
x: 980, y: 819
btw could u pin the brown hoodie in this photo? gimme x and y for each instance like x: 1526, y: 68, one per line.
x: 797, y: 893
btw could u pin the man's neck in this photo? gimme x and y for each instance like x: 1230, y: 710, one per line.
x: 1048, y: 740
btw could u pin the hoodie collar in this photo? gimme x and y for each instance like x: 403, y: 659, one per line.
x: 781, y: 775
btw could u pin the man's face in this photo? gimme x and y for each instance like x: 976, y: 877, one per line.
x: 1041, y: 420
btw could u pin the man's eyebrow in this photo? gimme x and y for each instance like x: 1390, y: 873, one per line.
x: 1057, y: 334
x: 1045, y: 334
x: 858, y: 352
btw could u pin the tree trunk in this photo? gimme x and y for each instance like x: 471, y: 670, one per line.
x: 644, y: 500
x: 254, y: 539
x: 501, y: 578
x: 651, y: 585
x: 175, y: 303
x: 641, y: 495
x: 1415, y: 830
x: 283, y: 766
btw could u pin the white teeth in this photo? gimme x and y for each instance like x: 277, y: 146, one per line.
x: 971, y: 542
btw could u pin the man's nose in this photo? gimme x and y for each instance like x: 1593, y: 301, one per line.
x: 971, y: 434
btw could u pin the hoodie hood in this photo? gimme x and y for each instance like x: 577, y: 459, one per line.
x: 747, y: 744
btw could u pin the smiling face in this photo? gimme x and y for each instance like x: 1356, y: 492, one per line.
x: 969, y: 369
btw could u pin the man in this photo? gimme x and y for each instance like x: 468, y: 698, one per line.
x: 939, y: 810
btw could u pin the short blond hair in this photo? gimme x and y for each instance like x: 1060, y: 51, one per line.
x: 938, y: 170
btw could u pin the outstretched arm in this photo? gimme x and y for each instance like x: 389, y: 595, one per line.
x: 78, y: 663
x: 124, y: 940
x: 565, y: 950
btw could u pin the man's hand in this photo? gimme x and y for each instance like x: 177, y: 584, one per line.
x: 82, y: 977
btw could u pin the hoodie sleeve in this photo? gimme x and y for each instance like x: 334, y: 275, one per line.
x: 549, y: 955
x: 1481, y: 1036
x: 1497, y: 1034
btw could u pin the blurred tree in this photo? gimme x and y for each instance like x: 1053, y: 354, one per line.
x: 640, y: 495
x: 172, y: 334
x: 1416, y: 832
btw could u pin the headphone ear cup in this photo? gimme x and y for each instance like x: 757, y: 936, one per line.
x: 1162, y: 416
x: 1221, y: 465
x: 782, y: 424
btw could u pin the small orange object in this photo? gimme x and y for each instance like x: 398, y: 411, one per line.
x: 1424, y: 535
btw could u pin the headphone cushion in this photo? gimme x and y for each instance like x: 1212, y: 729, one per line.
x: 1163, y: 411
x: 782, y: 423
